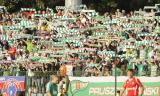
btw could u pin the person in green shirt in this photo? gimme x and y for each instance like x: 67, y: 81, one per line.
x: 29, y: 45
x: 118, y: 70
x: 140, y: 67
x: 51, y: 88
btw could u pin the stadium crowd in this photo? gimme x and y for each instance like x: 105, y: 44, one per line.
x: 79, y: 43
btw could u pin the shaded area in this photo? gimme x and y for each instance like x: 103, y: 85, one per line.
x: 100, y: 5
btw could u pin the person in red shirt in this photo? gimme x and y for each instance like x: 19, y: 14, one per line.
x: 59, y: 12
x: 12, y: 52
x: 132, y: 85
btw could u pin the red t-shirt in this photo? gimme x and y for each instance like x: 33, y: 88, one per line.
x: 12, y: 51
x: 1, y: 85
x: 132, y: 86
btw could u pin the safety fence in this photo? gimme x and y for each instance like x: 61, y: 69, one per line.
x: 35, y: 83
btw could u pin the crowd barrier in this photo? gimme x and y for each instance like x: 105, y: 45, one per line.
x: 78, y: 86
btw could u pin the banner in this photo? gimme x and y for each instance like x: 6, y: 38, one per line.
x: 104, y: 86
x: 11, y: 85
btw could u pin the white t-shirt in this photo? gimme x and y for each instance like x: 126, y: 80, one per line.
x: 30, y: 73
x: 142, y: 54
x: 150, y: 54
x: 69, y: 70
x: 9, y: 58
x: 83, y: 20
x: 153, y: 70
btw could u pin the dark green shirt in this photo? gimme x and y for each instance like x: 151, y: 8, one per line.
x: 118, y: 73
x: 52, y: 88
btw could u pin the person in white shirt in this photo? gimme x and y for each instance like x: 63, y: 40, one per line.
x: 69, y: 69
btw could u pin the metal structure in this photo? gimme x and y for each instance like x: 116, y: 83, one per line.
x: 73, y: 4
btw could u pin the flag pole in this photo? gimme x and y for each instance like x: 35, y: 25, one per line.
x: 116, y: 80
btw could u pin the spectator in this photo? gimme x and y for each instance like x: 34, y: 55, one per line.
x: 12, y: 52
x: 63, y: 69
x: 51, y: 87
x: 78, y: 44
x: 117, y: 72
x: 153, y: 68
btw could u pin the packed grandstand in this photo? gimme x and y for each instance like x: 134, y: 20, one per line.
x: 78, y: 43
